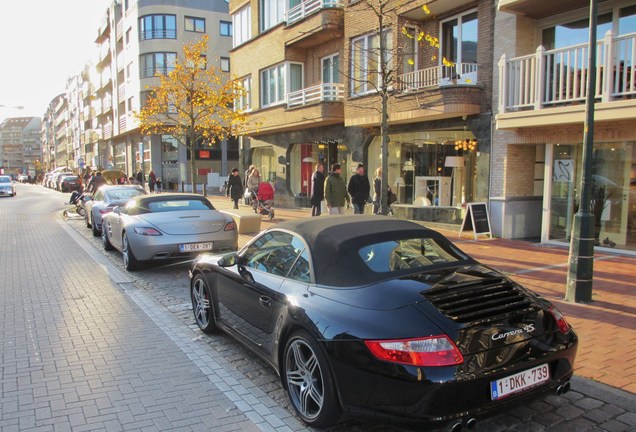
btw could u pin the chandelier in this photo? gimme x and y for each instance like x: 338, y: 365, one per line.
x: 466, y: 145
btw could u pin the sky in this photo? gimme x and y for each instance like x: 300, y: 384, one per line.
x: 42, y: 43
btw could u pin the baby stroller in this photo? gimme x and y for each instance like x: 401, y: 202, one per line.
x: 263, y: 200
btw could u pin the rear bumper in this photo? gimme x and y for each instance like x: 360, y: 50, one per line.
x: 156, y: 248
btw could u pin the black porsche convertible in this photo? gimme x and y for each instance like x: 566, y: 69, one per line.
x: 375, y: 315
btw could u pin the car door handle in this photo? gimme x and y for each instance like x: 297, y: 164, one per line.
x: 265, y: 301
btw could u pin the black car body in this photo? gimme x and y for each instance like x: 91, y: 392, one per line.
x: 380, y: 316
x: 70, y: 183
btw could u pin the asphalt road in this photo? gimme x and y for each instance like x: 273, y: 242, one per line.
x: 589, y: 406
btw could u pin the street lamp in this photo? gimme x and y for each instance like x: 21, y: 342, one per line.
x: 581, y: 260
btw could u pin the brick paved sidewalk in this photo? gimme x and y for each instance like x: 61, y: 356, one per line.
x: 606, y: 327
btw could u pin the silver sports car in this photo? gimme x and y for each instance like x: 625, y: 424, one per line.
x: 167, y: 226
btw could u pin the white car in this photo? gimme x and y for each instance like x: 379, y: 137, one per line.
x: 7, y: 186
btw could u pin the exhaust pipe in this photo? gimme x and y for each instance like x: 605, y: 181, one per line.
x: 457, y: 427
x: 563, y: 388
x: 471, y: 422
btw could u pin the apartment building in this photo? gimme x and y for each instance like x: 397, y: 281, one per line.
x: 311, y: 69
x: 20, y: 145
x: 540, y: 92
x: 48, y: 134
x: 137, y: 40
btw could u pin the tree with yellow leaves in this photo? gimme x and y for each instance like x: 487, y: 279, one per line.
x: 378, y: 69
x: 194, y: 103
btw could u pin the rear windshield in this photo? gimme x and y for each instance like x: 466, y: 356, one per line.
x: 179, y: 205
x: 414, y: 253
x: 124, y: 194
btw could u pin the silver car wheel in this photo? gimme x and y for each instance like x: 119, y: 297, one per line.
x: 304, y: 379
x: 130, y: 262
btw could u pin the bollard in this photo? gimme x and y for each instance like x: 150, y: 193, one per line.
x: 182, y: 187
x: 205, y: 190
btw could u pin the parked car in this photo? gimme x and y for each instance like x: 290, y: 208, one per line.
x: 167, y: 226
x: 23, y: 178
x: 7, y: 186
x: 70, y: 183
x: 385, y: 317
x: 104, y: 200
x: 57, y: 180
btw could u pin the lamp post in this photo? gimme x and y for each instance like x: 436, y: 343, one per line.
x: 581, y: 259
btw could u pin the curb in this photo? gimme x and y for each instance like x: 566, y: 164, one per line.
x: 605, y: 393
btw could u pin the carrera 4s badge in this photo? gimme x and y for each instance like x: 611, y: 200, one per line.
x: 528, y: 328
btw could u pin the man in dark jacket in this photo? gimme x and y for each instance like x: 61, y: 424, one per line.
x: 234, y: 187
x: 359, y: 189
x: 317, y: 189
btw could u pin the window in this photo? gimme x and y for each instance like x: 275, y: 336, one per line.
x: 242, y: 26
x: 156, y: 63
x: 365, y: 62
x: 331, y: 69
x: 225, y: 64
x: 409, y: 50
x: 279, y: 80
x: 243, y: 103
x: 272, y: 13
x: 158, y: 27
x: 277, y: 253
x: 226, y: 28
x: 193, y: 24
x: 459, y: 38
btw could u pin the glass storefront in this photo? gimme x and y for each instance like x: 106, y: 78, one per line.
x: 307, y: 155
x: 613, y: 193
x: 264, y: 159
x: 429, y: 168
x: 169, y: 163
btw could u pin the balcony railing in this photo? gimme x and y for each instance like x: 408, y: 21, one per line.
x: 318, y: 93
x: 307, y: 7
x: 108, y: 131
x: 439, y: 76
x: 559, y: 77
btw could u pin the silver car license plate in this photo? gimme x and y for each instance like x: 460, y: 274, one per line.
x: 195, y: 247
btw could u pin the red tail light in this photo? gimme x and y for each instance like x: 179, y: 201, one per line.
x: 230, y: 226
x: 147, y: 231
x: 564, y: 327
x: 428, y: 351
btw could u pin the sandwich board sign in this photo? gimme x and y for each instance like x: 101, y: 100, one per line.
x: 476, y: 219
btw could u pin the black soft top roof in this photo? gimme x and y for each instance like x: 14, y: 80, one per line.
x: 334, y: 242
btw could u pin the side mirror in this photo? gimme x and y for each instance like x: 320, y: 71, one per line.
x: 228, y: 260
x: 117, y: 210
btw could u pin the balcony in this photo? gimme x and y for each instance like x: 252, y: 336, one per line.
x: 538, y: 9
x: 314, y: 22
x: 108, y: 131
x: 438, y: 76
x: 319, y: 93
x: 550, y: 86
x: 308, y: 7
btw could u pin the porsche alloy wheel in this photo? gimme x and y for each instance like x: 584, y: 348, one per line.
x: 202, y: 305
x: 309, y: 383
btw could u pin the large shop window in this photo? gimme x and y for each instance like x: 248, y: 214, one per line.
x: 264, y: 159
x: 158, y: 27
x: 305, y: 156
x: 613, y: 193
x: 242, y: 25
x: 279, y: 80
x: 365, y: 62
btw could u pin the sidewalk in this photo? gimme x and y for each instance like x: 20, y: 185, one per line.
x: 606, y: 327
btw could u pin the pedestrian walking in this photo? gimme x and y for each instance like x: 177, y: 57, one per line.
x: 234, y: 187
x: 336, y: 191
x: 359, y: 189
x: 317, y: 189
x: 377, y: 192
x: 152, y: 180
